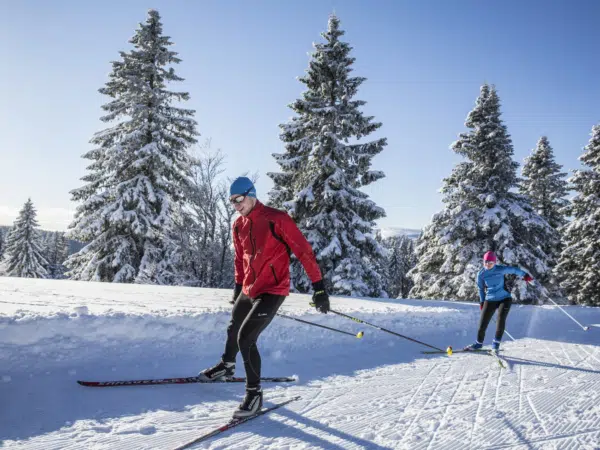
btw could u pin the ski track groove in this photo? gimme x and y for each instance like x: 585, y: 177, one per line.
x: 450, y: 403
x: 550, y: 381
x: 498, y: 385
x: 359, y: 427
x: 585, y: 358
x: 562, y: 347
x: 550, y: 384
x: 324, y: 402
x: 545, y: 439
x: 420, y: 385
x: 521, y: 379
x: 593, y: 355
x: 328, y: 400
x: 548, y: 350
x: 537, y: 416
x: 359, y: 408
x: 406, y: 432
x: 388, y: 391
x: 596, y: 350
x: 386, y: 412
x: 480, y: 405
x: 309, y: 408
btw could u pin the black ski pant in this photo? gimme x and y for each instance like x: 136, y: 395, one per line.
x: 489, y: 308
x: 249, y: 318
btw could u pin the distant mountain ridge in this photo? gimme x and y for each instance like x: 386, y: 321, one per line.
x: 386, y: 232
x: 74, y: 246
x: 412, y: 233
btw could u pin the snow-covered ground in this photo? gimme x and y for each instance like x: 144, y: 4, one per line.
x: 376, y: 393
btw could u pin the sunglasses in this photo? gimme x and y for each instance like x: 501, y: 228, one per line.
x: 240, y: 198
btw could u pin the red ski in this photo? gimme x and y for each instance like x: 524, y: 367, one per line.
x: 184, y: 380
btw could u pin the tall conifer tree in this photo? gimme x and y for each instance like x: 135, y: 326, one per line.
x: 24, y: 255
x: 579, y: 264
x: 482, y: 213
x: 324, y: 168
x: 139, y: 169
x: 546, y: 186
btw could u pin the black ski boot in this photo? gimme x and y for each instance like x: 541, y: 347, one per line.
x: 221, y: 371
x: 252, y: 403
x: 477, y: 346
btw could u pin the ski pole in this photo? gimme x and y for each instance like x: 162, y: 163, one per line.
x: 559, y: 307
x: 383, y: 329
x: 506, y: 331
x: 358, y: 335
x: 509, y: 335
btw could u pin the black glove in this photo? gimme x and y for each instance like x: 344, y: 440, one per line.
x: 236, y: 293
x: 320, y: 299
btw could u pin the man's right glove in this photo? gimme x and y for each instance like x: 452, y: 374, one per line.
x: 480, y: 306
x: 528, y: 278
x: 237, y: 290
x: 320, y: 299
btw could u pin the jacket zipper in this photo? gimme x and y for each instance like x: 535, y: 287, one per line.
x: 274, y: 276
x: 253, y: 251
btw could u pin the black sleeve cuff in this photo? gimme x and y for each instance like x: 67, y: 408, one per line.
x: 319, y: 286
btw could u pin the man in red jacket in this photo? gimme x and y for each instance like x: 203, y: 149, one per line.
x: 263, y: 239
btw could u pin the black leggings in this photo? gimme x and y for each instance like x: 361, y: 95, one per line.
x: 503, y: 307
x: 249, y: 318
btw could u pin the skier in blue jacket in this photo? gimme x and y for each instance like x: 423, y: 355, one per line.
x: 493, y: 296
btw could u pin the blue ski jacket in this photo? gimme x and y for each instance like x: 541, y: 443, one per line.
x: 491, y: 282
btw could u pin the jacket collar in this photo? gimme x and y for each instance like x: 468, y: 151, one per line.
x: 256, y: 211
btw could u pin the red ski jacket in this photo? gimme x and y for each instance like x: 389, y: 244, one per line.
x: 263, y: 240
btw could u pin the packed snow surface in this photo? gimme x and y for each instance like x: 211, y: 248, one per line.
x: 379, y: 392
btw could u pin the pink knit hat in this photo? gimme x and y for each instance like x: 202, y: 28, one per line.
x: 489, y: 256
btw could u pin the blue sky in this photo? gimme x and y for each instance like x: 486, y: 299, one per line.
x: 424, y: 62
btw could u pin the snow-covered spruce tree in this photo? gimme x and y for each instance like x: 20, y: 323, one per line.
x: 139, y: 169
x: 24, y: 255
x: 56, y: 251
x: 401, y: 259
x: 379, y: 265
x: 481, y: 213
x: 579, y: 263
x: 324, y: 167
x: 546, y: 186
x: 2, y: 244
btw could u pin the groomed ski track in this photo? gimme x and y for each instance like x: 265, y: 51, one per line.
x: 378, y: 392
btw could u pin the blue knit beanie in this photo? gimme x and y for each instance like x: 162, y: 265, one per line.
x: 242, y: 186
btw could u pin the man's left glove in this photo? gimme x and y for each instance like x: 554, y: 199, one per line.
x: 320, y: 299
x: 528, y: 278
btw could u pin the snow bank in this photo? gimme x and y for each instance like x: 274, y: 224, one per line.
x: 55, y: 332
